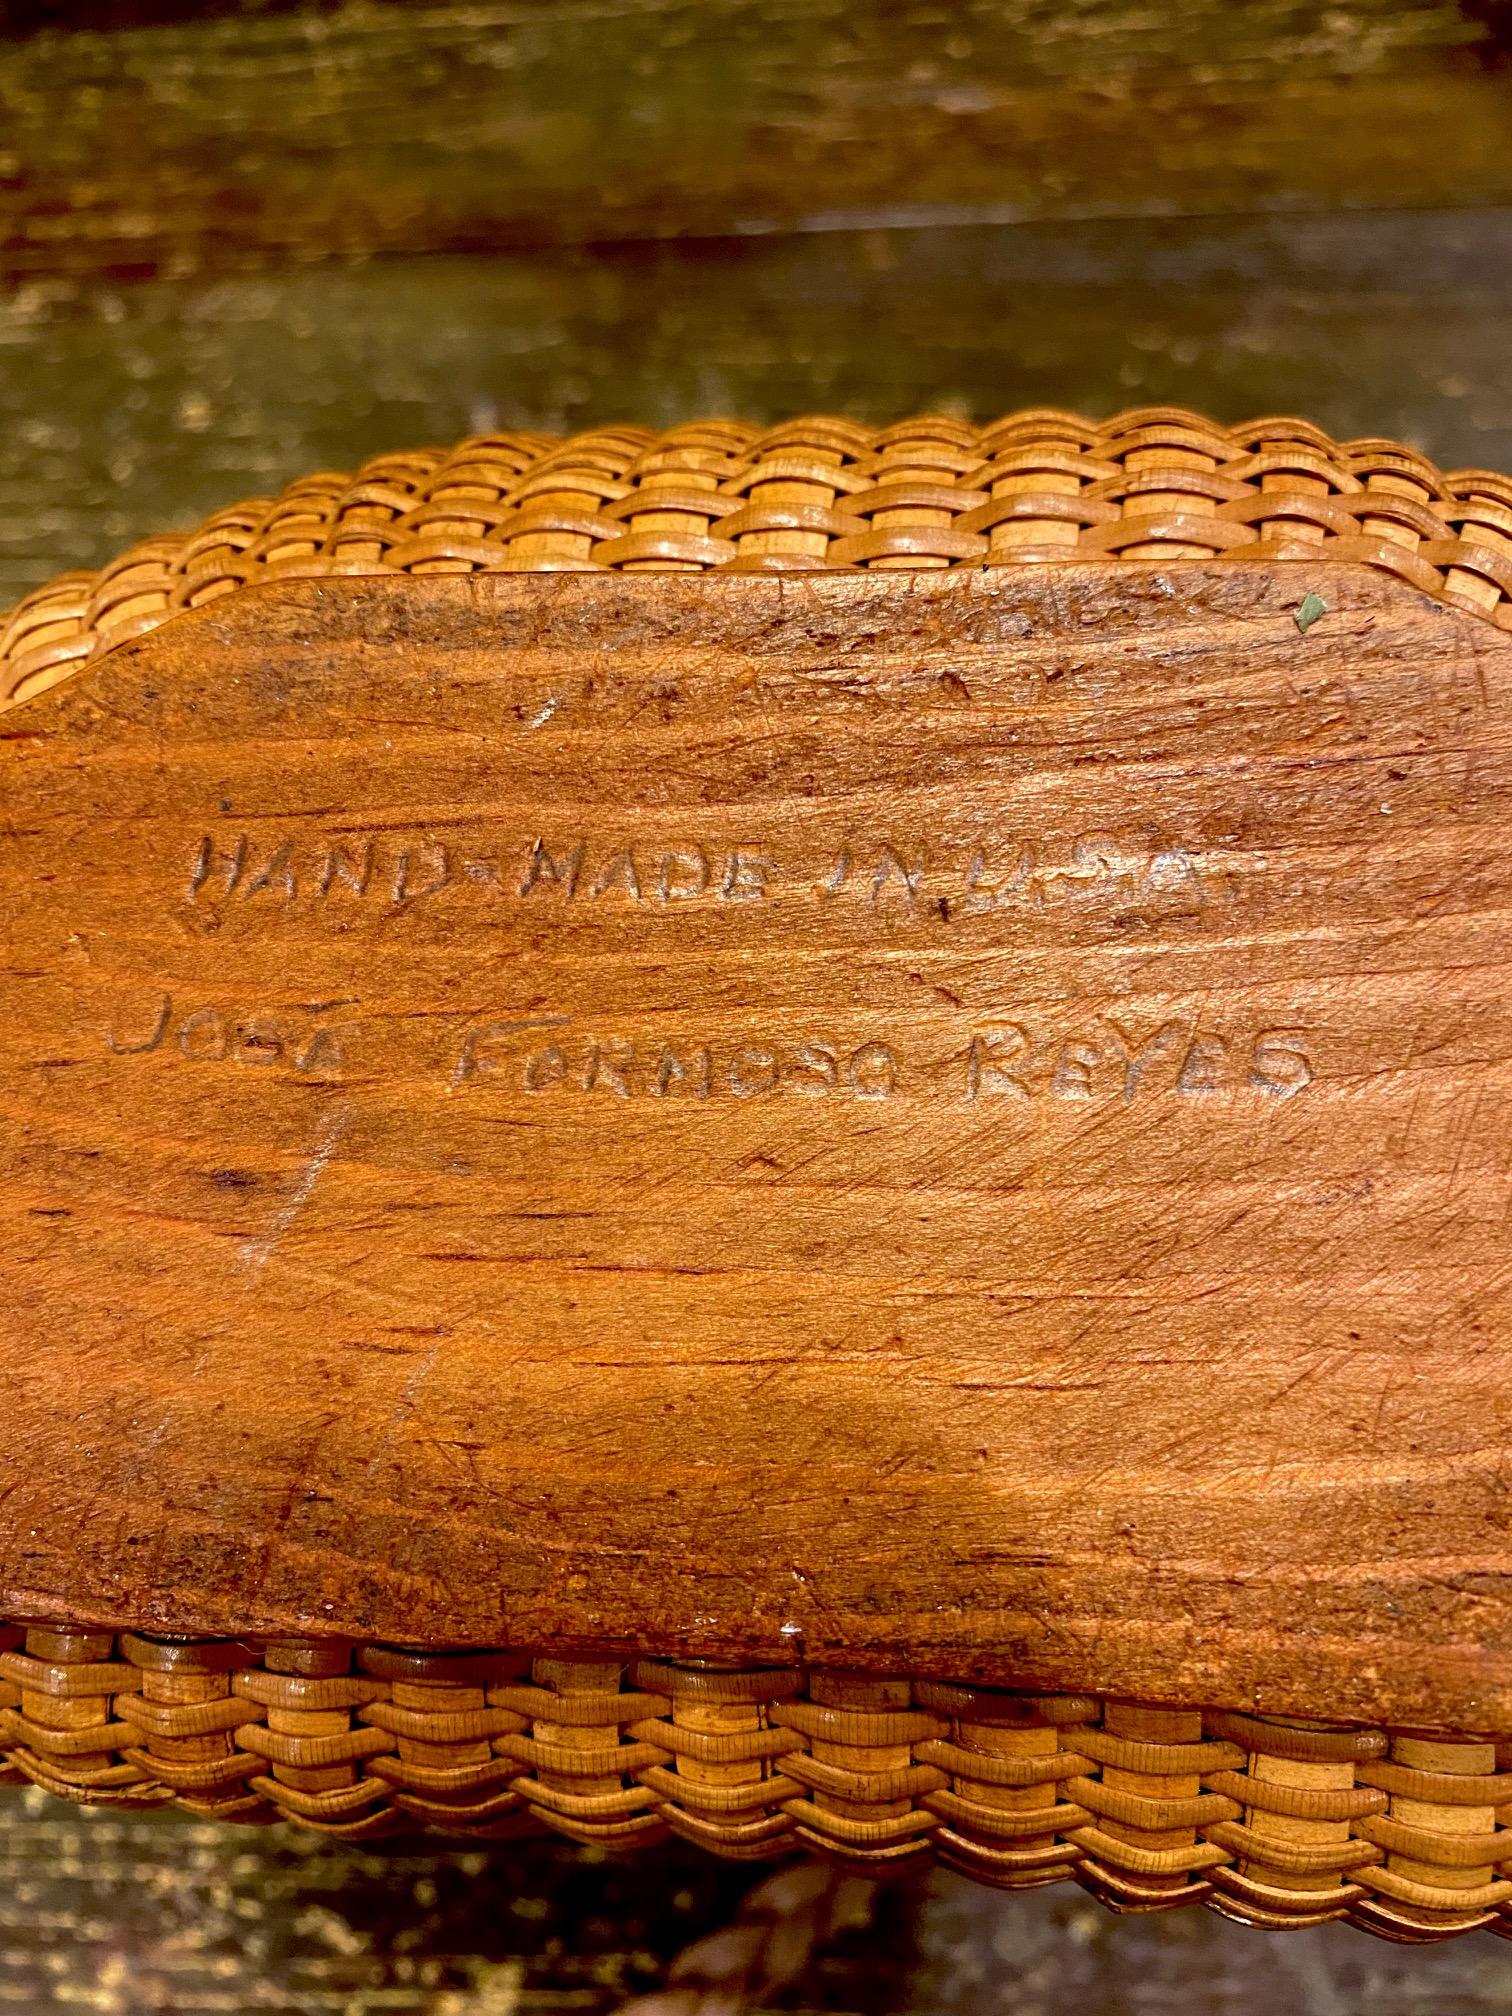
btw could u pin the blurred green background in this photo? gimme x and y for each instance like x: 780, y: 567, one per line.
x: 240, y: 243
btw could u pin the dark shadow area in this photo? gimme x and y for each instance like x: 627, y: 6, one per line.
x: 1494, y: 19
x: 144, y: 1913
x: 148, y: 1912
x: 21, y: 18
x: 1056, y: 1953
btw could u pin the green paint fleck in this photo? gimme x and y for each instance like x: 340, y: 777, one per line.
x: 1311, y: 607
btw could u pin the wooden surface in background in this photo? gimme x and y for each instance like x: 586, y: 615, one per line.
x: 138, y: 1914
x: 135, y: 1914
x: 490, y: 124
x: 126, y: 410
x: 759, y: 207
x: 666, y: 213
x: 948, y: 1123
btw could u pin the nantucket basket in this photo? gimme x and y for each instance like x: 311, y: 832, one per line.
x: 802, y: 1136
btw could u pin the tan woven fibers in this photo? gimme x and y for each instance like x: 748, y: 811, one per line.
x: 1272, y: 1822
x: 1152, y: 483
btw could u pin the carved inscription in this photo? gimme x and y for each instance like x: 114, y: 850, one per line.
x: 1006, y: 1060
x: 1014, y: 1060
x: 1120, y: 873
x: 544, y: 1057
x: 299, y: 1040
x: 1010, y: 1060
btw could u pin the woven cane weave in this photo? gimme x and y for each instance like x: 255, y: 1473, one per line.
x: 1151, y: 483
x: 1274, y: 1823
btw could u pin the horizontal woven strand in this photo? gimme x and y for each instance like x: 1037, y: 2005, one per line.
x: 1273, y: 1822
x: 1037, y: 488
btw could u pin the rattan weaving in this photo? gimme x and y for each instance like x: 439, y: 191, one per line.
x: 1151, y: 483
x: 1149, y: 1807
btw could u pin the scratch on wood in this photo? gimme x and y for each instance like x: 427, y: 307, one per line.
x: 255, y: 1253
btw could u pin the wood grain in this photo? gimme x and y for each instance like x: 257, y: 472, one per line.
x: 249, y: 141
x: 1008, y: 1174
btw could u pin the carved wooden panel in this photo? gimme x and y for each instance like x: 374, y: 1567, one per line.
x: 946, y: 1124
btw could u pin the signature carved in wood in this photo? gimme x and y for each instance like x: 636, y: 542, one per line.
x: 951, y: 1123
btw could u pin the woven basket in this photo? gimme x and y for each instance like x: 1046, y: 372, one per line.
x: 1154, y: 483
x: 1277, y: 1821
